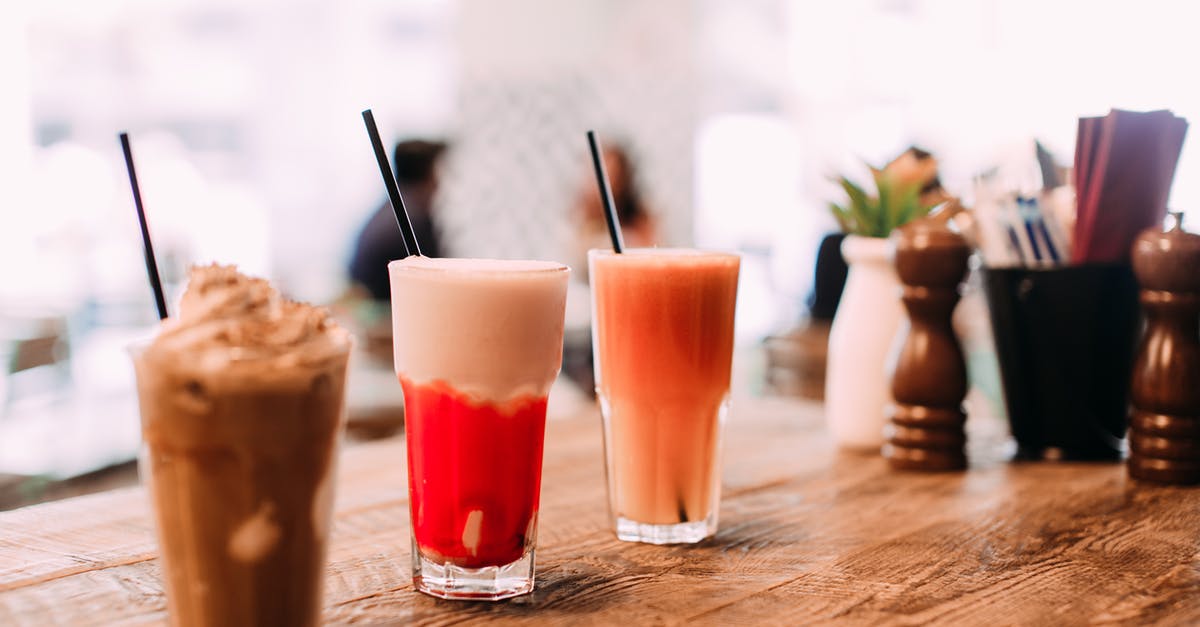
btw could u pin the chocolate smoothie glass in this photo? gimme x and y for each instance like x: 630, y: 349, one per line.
x: 241, y: 399
x: 663, y: 343
x: 477, y: 344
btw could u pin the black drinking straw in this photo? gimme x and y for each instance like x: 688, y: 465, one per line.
x: 393, y: 190
x: 147, y: 247
x: 610, y: 208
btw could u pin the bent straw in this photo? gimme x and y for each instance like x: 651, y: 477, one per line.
x: 393, y: 190
x: 610, y: 208
x: 147, y: 248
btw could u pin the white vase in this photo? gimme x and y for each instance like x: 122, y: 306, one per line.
x: 857, y: 388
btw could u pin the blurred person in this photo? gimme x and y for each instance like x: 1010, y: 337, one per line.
x: 379, y: 242
x: 639, y: 228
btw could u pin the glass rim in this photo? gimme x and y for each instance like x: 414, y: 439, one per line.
x: 549, y: 267
x: 669, y: 252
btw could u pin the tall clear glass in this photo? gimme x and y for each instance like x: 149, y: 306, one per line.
x: 663, y: 343
x: 478, y: 344
x: 239, y: 459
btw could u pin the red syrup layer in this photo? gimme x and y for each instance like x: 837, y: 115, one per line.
x: 474, y: 474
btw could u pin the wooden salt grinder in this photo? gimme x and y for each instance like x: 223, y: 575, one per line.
x: 929, y: 376
x: 1164, y: 426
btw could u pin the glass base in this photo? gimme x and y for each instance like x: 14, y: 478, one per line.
x: 490, y: 583
x: 678, y: 533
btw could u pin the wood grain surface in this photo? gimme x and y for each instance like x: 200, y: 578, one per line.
x: 808, y: 535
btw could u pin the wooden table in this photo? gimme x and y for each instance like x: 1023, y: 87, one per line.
x: 807, y: 534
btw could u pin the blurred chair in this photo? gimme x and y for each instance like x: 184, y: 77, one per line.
x: 35, y: 355
x: 796, y: 359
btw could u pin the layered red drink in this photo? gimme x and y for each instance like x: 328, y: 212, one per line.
x: 477, y: 345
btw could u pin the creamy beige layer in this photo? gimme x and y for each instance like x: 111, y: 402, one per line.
x: 490, y: 328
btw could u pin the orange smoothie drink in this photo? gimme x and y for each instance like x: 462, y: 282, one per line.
x: 663, y: 343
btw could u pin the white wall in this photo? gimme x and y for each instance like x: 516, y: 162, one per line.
x: 535, y: 75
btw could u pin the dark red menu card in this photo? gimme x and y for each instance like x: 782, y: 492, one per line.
x: 1124, y: 165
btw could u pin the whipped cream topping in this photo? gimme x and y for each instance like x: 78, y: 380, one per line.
x: 226, y: 318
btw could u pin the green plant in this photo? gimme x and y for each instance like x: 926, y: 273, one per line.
x: 893, y: 205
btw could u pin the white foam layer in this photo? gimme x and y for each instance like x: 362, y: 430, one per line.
x: 490, y: 328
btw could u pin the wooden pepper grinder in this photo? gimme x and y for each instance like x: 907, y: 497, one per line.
x: 1164, y: 427
x: 929, y: 375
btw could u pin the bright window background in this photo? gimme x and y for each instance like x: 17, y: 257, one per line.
x: 245, y: 126
x: 245, y: 121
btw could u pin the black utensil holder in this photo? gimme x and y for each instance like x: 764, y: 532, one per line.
x: 1065, y: 339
